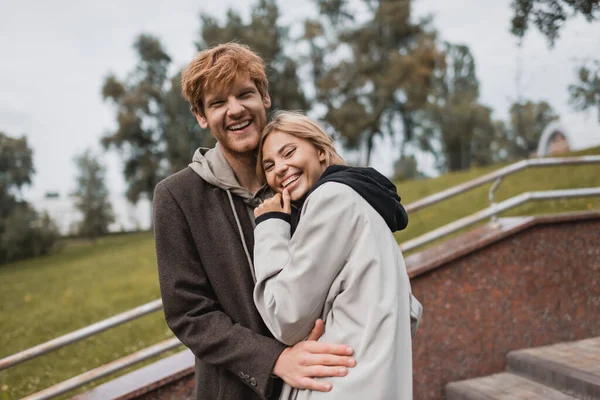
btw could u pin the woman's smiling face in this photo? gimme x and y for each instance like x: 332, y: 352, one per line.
x: 291, y: 163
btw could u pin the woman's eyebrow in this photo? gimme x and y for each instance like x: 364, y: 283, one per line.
x: 282, y: 148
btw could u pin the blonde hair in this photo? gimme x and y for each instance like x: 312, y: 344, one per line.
x: 218, y: 67
x: 298, y: 125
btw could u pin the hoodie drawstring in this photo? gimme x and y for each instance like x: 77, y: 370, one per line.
x: 239, y: 225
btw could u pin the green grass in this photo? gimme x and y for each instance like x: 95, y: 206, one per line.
x: 532, y: 179
x: 50, y: 296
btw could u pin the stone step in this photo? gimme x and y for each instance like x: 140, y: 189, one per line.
x: 503, y: 386
x: 571, y: 367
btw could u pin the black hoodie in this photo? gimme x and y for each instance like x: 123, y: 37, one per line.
x: 375, y: 188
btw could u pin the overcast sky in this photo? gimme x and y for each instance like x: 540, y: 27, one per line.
x: 55, y: 55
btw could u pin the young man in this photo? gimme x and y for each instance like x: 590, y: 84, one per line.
x: 203, y: 226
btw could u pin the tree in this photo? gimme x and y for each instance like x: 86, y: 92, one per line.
x: 16, y: 170
x: 182, y: 133
x: 23, y: 232
x: 453, y: 117
x: 140, y: 118
x: 268, y: 38
x: 407, y: 168
x: 585, y: 94
x: 549, y: 16
x: 91, y: 197
x: 527, y: 123
x: 372, y: 75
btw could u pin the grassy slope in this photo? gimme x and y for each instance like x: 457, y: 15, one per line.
x: 50, y: 296
x: 533, y: 179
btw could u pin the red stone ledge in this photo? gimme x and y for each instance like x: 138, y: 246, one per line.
x: 144, y: 380
x: 483, y: 236
x: 530, y: 282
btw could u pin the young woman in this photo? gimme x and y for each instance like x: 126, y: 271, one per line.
x: 324, y: 249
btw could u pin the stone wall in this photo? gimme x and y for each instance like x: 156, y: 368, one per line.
x: 536, y: 285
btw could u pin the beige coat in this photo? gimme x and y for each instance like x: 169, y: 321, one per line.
x: 342, y: 265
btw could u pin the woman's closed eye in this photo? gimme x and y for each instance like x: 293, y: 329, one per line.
x: 289, y: 153
x: 268, y: 167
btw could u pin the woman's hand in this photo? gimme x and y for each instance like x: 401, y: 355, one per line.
x: 277, y: 203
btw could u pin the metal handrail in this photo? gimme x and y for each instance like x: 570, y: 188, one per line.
x: 80, y: 334
x: 105, y: 370
x: 156, y: 305
x: 494, y: 210
x: 501, y: 173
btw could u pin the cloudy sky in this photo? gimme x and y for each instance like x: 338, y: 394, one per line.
x: 56, y: 54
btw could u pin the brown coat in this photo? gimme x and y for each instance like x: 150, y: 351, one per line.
x: 207, y: 287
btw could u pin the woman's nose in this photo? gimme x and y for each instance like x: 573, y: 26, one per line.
x: 280, y: 168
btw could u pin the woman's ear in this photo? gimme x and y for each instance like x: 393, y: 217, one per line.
x: 322, y: 156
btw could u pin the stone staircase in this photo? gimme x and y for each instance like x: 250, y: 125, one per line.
x: 563, y: 371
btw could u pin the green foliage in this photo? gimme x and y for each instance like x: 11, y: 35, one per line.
x: 519, y: 139
x: 549, y: 16
x: 585, y: 94
x: 453, y: 117
x: 371, y: 74
x: 91, y: 197
x: 268, y: 38
x: 16, y: 163
x: 406, y: 168
x: 182, y: 133
x: 16, y: 169
x: 140, y: 118
x: 23, y: 232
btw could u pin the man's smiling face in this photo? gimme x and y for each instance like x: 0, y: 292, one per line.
x: 236, y: 116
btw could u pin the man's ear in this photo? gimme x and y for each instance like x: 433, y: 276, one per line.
x: 267, y: 100
x: 201, y: 121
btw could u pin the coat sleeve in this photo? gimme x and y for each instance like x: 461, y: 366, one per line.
x: 294, y: 275
x: 191, y: 308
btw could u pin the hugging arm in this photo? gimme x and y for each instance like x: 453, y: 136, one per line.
x: 295, y: 274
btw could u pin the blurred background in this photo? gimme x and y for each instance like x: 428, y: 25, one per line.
x: 423, y: 85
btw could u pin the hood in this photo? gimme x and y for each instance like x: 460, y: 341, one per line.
x: 375, y: 188
x: 212, y: 166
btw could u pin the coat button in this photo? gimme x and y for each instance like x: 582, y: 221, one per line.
x: 241, y: 374
x: 253, y: 381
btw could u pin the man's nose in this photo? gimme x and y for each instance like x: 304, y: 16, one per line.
x: 234, y: 107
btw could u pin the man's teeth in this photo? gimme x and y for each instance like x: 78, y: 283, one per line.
x: 290, y: 180
x: 239, y: 126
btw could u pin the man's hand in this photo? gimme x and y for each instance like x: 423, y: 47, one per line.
x: 279, y: 203
x: 300, y: 364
